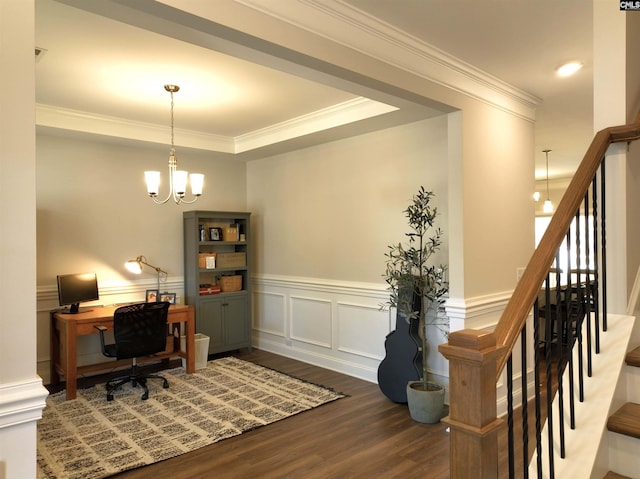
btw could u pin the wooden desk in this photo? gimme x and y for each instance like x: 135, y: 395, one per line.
x: 65, y: 328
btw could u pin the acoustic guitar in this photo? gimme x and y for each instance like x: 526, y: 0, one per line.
x: 403, y: 360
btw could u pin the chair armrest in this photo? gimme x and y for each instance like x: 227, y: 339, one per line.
x: 101, y: 329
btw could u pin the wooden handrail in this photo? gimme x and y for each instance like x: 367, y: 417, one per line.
x: 517, y: 310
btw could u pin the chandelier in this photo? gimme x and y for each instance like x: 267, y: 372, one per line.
x: 177, y: 178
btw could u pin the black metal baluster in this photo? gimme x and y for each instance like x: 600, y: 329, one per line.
x: 510, y: 443
x: 596, y: 262
x: 570, y: 340
x: 587, y: 286
x: 525, y: 413
x: 603, y: 235
x: 549, y: 335
x: 536, y: 374
x: 561, y: 338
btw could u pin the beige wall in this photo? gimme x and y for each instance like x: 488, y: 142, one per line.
x: 330, y: 211
x: 497, y: 184
x: 93, y: 212
x: 633, y: 155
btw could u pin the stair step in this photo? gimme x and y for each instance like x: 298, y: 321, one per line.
x: 613, y: 475
x: 626, y: 420
x: 633, y: 357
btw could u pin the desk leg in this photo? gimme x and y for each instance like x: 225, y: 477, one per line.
x: 54, y: 352
x: 71, y: 372
x: 191, y: 343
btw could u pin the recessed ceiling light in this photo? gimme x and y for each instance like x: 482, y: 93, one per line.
x: 568, y: 69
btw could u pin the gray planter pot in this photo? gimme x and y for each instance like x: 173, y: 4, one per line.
x: 426, y: 406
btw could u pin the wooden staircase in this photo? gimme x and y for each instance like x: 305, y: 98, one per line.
x: 626, y: 420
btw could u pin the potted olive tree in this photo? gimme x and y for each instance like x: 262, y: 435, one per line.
x: 410, y: 274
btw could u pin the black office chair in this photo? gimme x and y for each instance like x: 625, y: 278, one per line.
x: 139, y: 330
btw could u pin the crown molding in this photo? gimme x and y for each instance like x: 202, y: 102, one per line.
x: 86, y: 122
x: 355, y: 29
x: 337, y: 115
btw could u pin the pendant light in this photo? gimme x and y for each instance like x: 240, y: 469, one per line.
x: 548, y: 206
x: 177, y: 178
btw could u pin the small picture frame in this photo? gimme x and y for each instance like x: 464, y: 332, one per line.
x: 151, y: 296
x: 169, y: 297
x: 215, y: 234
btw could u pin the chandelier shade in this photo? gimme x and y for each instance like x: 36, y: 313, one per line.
x: 177, y: 178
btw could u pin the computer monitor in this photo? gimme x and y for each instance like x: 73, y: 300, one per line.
x: 74, y: 289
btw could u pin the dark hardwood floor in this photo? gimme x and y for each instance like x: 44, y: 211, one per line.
x: 364, y: 435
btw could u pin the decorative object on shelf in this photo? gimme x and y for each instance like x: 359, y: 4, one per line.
x: 135, y: 267
x: 151, y: 296
x: 177, y: 178
x: 215, y: 234
x: 168, y: 297
x: 418, y: 291
x: 548, y: 206
x: 230, y: 283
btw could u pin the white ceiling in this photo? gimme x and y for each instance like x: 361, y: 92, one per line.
x: 97, y: 71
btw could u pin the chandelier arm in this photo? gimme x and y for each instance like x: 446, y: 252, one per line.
x: 182, y: 200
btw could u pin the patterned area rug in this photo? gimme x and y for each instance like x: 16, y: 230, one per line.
x: 91, y: 438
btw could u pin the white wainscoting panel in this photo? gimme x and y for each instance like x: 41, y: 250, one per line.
x: 311, y: 321
x: 273, y: 313
x: 332, y: 324
x: 353, y: 319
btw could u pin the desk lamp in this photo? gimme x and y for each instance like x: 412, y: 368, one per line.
x: 135, y: 266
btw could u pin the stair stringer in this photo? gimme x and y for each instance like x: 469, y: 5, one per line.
x: 582, y: 458
x: 620, y: 451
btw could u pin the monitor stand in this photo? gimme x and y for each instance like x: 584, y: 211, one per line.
x: 75, y: 309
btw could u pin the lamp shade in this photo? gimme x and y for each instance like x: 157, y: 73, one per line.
x: 152, y: 178
x: 197, y: 181
x: 180, y: 182
x: 134, y: 266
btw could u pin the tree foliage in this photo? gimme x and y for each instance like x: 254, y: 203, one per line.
x: 410, y: 271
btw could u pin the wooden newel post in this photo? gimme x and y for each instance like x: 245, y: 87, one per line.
x: 472, y: 416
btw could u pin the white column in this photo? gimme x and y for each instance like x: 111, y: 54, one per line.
x: 21, y: 391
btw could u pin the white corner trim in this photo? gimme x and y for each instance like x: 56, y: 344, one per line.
x: 355, y: 29
x: 480, y: 312
x: 22, y: 402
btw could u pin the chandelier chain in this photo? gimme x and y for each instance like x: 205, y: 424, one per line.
x: 172, y: 145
